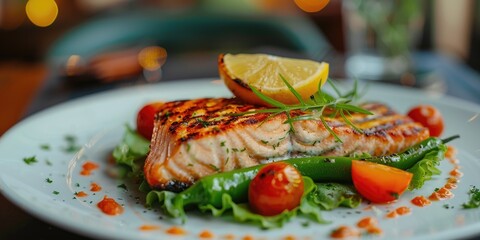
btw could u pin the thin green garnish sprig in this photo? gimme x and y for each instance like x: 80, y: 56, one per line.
x: 317, y: 106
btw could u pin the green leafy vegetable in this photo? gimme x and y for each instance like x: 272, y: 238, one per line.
x: 426, y: 168
x: 474, y: 201
x: 131, y: 150
x: 174, y: 206
x: 333, y: 195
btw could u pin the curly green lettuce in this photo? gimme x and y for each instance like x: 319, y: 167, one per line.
x: 131, y: 152
x: 427, y: 167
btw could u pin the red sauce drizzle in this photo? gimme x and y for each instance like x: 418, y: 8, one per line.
x: 400, y: 211
x: 95, y: 187
x: 176, y: 231
x: 451, y: 152
x: 109, y: 206
x: 367, y: 222
x: 87, y: 168
x: 403, y: 210
x: 345, y: 232
x: 420, y: 201
x: 81, y: 194
x: 247, y: 237
x: 229, y: 236
x: 148, y: 227
x: 456, y: 173
x: 370, y: 224
x: 289, y: 237
x: 206, y: 234
x: 441, y: 194
x: 450, y: 185
x: 453, y: 180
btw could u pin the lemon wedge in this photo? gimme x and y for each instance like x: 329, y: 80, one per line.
x: 263, y: 71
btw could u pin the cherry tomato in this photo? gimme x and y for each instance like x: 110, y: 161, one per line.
x: 145, y: 119
x: 276, y: 187
x: 429, y: 117
x: 379, y: 183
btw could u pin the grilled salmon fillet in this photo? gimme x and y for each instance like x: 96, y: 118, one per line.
x: 196, y: 138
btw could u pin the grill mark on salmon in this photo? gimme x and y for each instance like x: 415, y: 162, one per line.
x: 196, y: 138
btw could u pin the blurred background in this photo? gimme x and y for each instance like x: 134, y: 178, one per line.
x: 56, y: 50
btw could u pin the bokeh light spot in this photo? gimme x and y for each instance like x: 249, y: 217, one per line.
x: 42, y: 12
x: 311, y: 5
x: 152, y: 58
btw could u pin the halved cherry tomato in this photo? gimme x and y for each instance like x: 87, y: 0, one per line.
x: 379, y: 183
x: 145, y: 119
x: 429, y: 117
x: 276, y: 187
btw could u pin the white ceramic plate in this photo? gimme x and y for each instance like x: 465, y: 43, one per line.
x: 46, y: 188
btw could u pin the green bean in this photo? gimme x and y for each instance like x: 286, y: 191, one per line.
x: 209, y: 189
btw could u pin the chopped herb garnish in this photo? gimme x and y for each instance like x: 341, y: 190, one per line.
x: 203, y: 122
x: 45, y: 147
x: 436, y: 189
x: 123, y: 186
x: 222, y: 144
x: 190, y: 165
x: 319, y: 105
x: 48, y: 180
x: 264, y: 141
x: 30, y: 160
x: 56, y: 192
x: 188, y: 147
x: 72, y: 145
x: 48, y: 162
x: 447, y: 206
x: 305, y: 224
x: 214, y: 167
x: 474, y: 201
x: 77, y: 184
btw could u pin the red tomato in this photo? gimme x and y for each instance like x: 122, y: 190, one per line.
x: 276, y: 187
x: 379, y: 183
x: 429, y: 117
x: 145, y: 119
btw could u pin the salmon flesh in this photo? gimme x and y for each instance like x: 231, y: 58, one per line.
x: 195, y: 138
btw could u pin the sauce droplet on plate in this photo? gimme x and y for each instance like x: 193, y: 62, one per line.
x: 95, y: 187
x: 345, y: 232
x: 420, y: 201
x: 109, y: 206
x: 88, y: 167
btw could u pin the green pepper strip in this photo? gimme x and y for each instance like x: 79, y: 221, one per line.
x: 209, y: 189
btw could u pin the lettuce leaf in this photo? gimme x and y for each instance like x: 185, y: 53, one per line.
x: 131, y: 151
x: 426, y: 168
x: 333, y: 195
x: 317, y: 197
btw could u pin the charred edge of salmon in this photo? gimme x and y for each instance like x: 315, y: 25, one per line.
x: 180, y: 116
x: 174, y: 186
